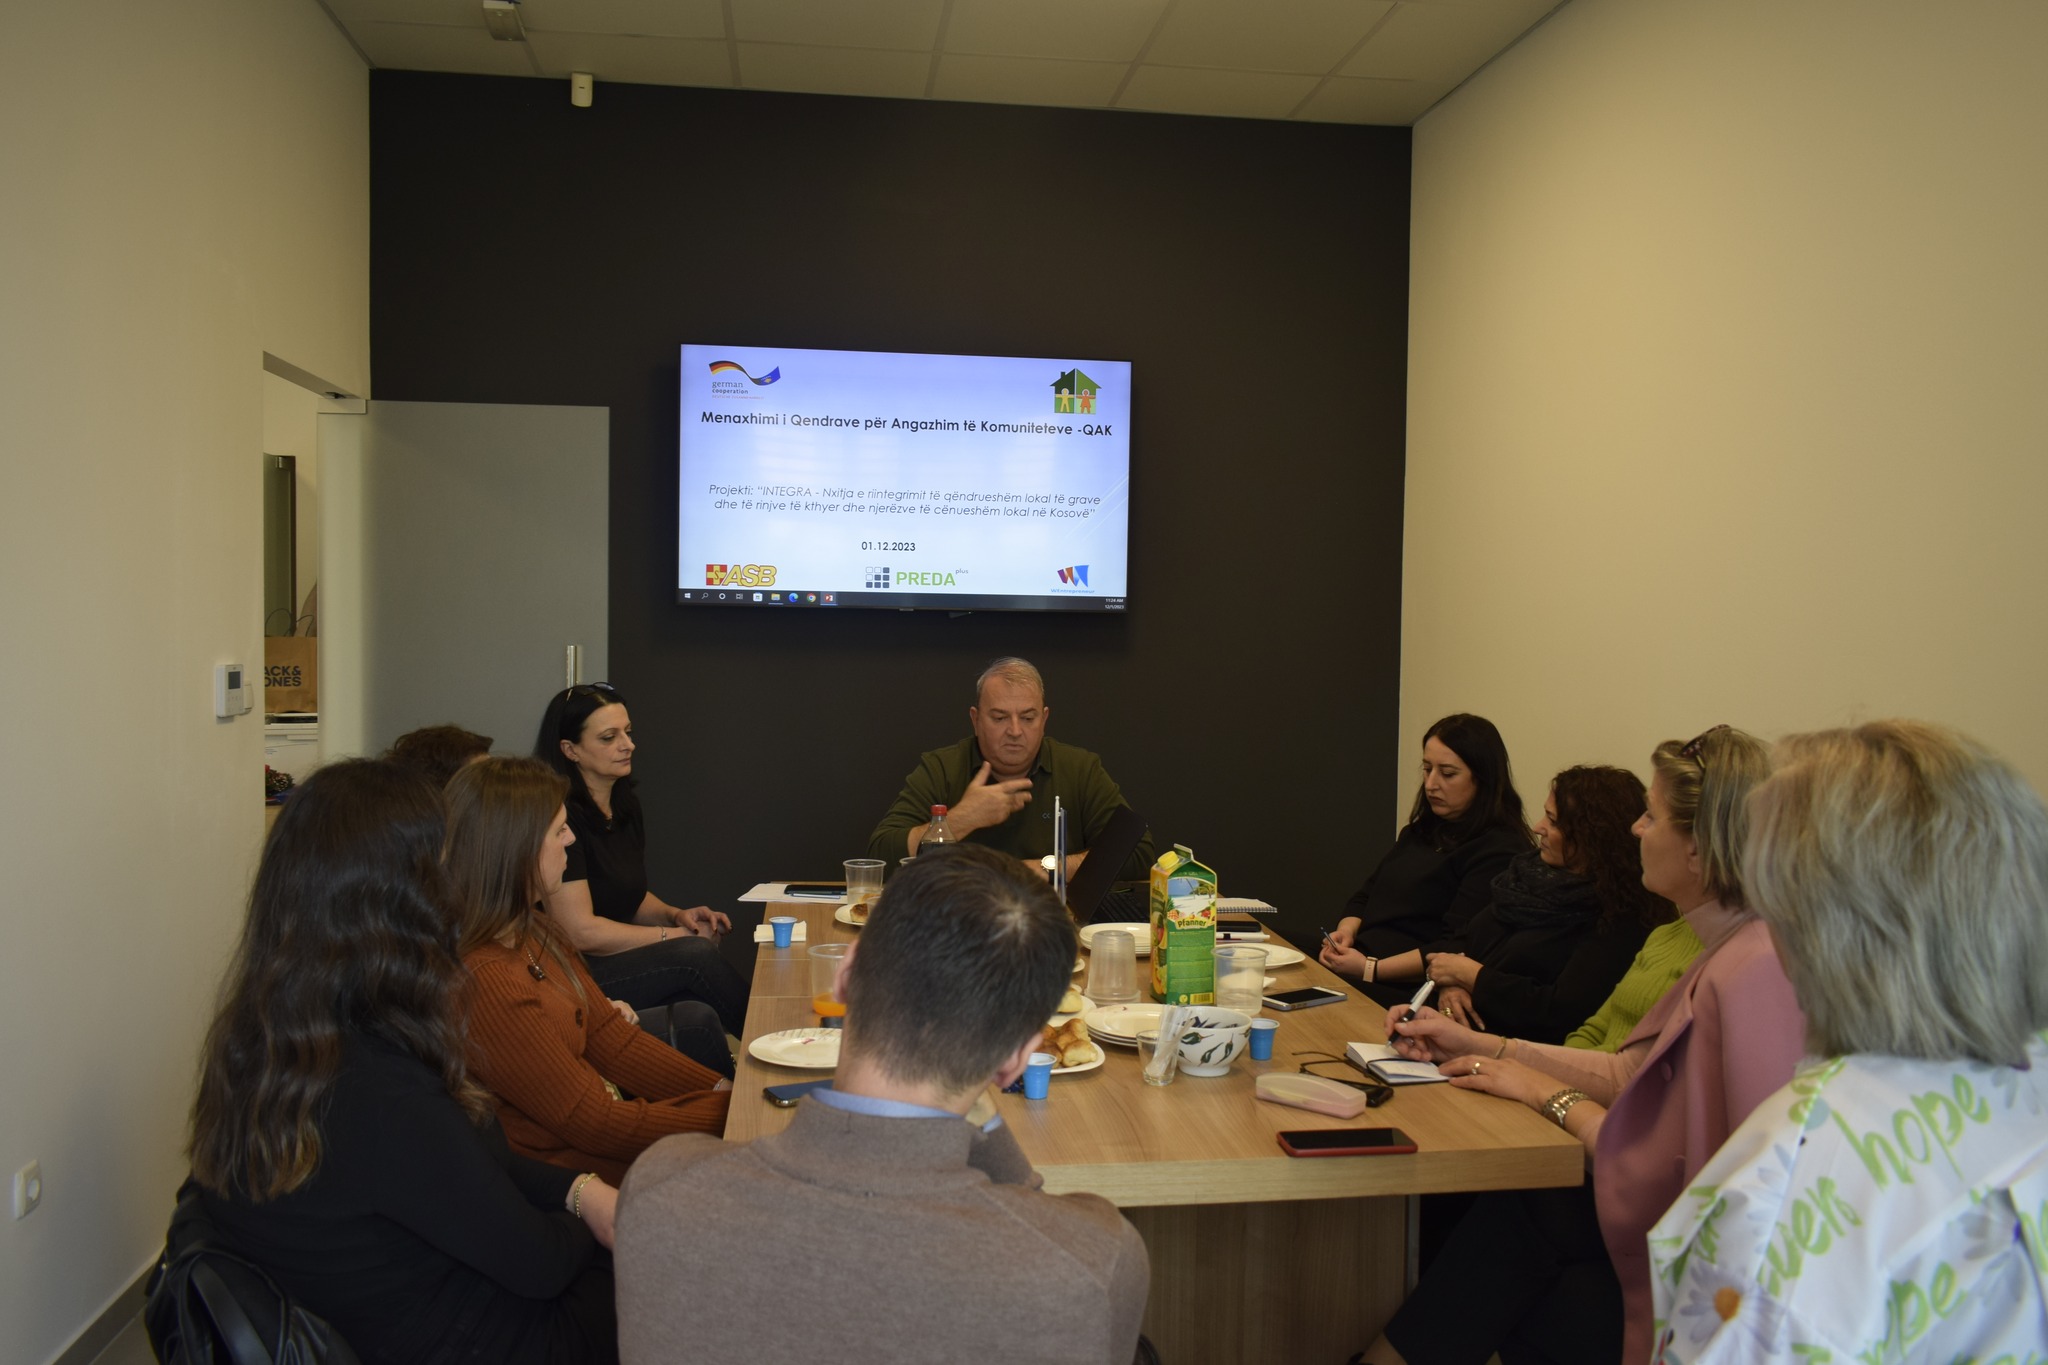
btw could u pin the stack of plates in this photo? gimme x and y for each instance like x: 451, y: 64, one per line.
x: 1119, y: 1025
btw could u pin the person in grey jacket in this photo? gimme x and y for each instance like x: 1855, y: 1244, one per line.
x: 892, y: 1221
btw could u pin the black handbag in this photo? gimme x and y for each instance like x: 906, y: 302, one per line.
x: 208, y: 1306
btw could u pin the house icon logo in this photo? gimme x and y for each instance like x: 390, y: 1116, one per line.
x: 1074, y: 392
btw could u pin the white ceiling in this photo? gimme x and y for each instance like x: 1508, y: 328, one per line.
x: 1319, y: 61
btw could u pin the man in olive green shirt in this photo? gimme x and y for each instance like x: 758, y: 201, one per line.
x: 999, y: 783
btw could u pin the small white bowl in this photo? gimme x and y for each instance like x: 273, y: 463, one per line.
x: 1220, y: 1037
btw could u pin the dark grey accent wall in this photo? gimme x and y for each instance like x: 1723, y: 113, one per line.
x: 1255, y: 273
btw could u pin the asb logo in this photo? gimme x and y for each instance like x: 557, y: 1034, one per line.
x: 739, y: 575
x: 1074, y: 392
x: 719, y: 367
x: 1075, y: 576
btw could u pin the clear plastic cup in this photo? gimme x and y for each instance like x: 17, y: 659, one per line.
x: 1241, y: 977
x: 1112, y: 968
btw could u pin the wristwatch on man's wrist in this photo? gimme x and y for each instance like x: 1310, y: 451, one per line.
x: 1048, y: 862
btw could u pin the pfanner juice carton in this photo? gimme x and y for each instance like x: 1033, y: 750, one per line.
x: 1183, y: 929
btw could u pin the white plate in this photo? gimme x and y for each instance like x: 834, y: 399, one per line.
x: 1280, y: 955
x: 844, y: 914
x: 1086, y: 1005
x: 1140, y: 932
x: 808, y: 1049
x: 1100, y: 1058
x: 1079, y: 963
x: 1121, y: 1024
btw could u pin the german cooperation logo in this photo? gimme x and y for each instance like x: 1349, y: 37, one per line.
x: 729, y: 379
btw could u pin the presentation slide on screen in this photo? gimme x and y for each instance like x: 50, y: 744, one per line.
x: 868, y: 478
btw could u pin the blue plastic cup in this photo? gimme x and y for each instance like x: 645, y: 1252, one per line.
x: 1038, y: 1075
x: 1262, y: 1039
x: 784, y: 926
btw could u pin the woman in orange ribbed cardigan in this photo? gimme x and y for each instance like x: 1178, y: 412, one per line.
x: 542, y: 1036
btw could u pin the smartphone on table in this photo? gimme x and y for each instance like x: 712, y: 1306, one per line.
x: 1308, y: 997
x: 1346, y: 1142
x: 786, y: 1096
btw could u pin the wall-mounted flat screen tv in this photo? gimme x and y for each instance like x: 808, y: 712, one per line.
x: 817, y: 480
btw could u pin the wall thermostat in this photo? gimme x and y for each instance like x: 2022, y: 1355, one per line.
x: 230, y: 696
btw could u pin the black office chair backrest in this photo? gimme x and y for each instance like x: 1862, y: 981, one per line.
x: 208, y: 1306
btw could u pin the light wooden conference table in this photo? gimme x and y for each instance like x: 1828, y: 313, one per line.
x: 1256, y: 1255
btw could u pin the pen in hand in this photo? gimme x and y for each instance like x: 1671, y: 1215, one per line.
x: 1415, y: 1003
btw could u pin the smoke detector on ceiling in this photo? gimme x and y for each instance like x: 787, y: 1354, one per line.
x: 501, y: 17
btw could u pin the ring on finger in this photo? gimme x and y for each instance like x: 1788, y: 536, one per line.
x: 1475, y: 1068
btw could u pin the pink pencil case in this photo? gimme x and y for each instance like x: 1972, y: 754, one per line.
x: 1312, y: 1093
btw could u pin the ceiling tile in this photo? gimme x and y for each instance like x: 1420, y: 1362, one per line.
x: 1299, y: 35
x: 1027, y: 80
x: 1084, y: 30
x: 656, y: 18
x: 833, y: 70
x: 639, y: 60
x: 452, y: 13
x: 1395, y: 103
x: 1444, y: 41
x: 429, y: 47
x: 1236, y: 94
x: 900, y: 24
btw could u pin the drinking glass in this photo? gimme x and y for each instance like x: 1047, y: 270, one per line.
x: 1240, y: 977
x: 1113, y: 968
x: 826, y: 960
x: 1157, y: 1059
x: 863, y: 884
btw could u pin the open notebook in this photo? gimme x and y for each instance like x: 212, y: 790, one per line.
x: 1380, y: 1059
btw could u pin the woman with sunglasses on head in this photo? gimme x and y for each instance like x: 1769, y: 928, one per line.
x: 541, y: 1035
x: 1465, y: 829
x: 638, y: 947
x: 1563, y: 922
x: 1564, y: 1274
x: 337, y: 1137
x: 1887, y: 1204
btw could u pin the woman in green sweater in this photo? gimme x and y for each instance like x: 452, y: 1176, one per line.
x: 1665, y: 955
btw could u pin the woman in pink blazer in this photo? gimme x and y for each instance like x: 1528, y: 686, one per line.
x: 1564, y: 1274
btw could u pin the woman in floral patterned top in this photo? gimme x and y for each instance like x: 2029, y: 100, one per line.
x: 1889, y: 1204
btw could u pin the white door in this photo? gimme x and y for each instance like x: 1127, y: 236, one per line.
x: 466, y: 546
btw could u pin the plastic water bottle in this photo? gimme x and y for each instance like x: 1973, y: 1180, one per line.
x: 938, y: 833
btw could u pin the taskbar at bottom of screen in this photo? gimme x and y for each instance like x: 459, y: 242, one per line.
x: 805, y: 599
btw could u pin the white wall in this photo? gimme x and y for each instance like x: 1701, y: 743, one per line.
x: 186, y: 188
x: 1729, y: 321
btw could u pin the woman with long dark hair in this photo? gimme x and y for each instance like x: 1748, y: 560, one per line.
x: 337, y: 1137
x: 1464, y: 829
x: 1564, y: 920
x: 541, y: 1035
x: 638, y: 947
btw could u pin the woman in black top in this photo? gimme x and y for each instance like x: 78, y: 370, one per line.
x: 337, y: 1138
x: 1562, y: 923
x: 638, y: 947
x: 1465, y: 828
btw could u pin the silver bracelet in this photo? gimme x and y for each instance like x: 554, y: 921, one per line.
x: 1560, y: 1104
